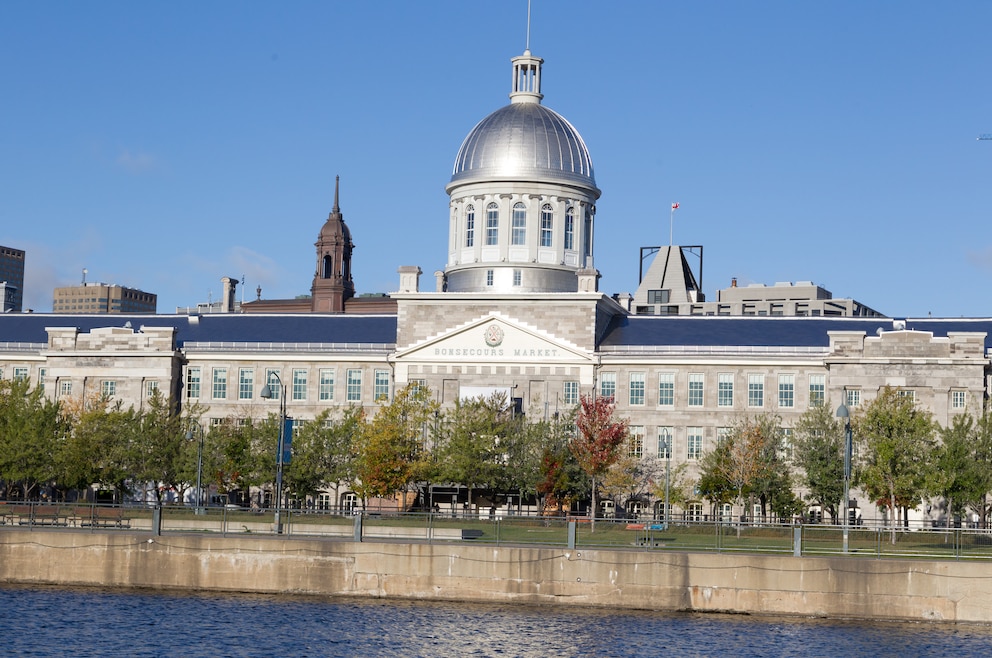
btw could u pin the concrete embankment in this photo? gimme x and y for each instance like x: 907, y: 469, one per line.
x: 652, y: 580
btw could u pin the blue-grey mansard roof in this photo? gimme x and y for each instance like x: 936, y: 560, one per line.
x: 373, y: 330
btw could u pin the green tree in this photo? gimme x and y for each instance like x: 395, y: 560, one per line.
x: 819, y: 452
x: 560, y: 480
x: 390, y: 450
x: 487, y: 446
x: 958, y: 475
x: 896, y: 443
x: 322, y: 453
x: 747, y: 463
x: 31, y: 427
x: 239, y: 454
x: 597, y: 441
x: 156, y: 452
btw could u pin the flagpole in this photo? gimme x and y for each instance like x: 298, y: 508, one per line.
x: 671, y: 224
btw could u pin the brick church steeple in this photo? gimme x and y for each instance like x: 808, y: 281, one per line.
x: 332, y: 284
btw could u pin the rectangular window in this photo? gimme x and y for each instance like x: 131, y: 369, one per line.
x: 570, y: 229
x: 20, y: 374
x: 571, y: 393
x: 785, y: 434
x: 65, y: 388
x: 417, y: 385
x: 721, y: 434
x: 659, y: 296
x: 354, y: 386
x: 274, y: 381
x: 517, y: 278
x: 193, y: 383
x: 547, y: 226
x: 854, y: 397
x: 300, y: 380
x: 696, y: 389
x: 608, y: 384
x: 817, y: 390
x: 492, y: 225
x: 907, y: 394
x: 381, y: 386
x: 957, y: 399
x: 635, y: 442
x: 725, y: 390
x: 219, y: 384
x: 108, y: 388
x: 518, y: 231
x: 636, y: 388
x: 246, y: 383
x: 326, y: 387
x: 786, y: 391
x: 666, y: 389
x: 42, y: 374
x: 489, y: 278
x: 694, y: 442
x: 665, y: 436
x: 470, y: 226
x: 755, y: 390
x: 151, y: 388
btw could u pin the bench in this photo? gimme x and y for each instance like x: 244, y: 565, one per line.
x: 105, y: 517
x: 40, y: 515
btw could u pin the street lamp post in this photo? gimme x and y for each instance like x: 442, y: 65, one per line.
x: 667, y: 439
x: 267, y: 393
x: 842, y: 412
x: 199, y: 463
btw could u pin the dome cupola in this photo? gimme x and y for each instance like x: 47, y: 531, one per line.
x: 523, y: 197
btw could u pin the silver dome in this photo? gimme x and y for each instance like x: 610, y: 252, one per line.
x: 524, y: 141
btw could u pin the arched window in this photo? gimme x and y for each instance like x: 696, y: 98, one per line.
x: 470, y: 226
x: 518, y: 234
x: 326, y: 267
x: 547, y: 225
x: 492, y: 224
x: 570, y: 229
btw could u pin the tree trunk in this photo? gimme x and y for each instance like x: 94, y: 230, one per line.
x: 894, y: 512
x: 592, y: 516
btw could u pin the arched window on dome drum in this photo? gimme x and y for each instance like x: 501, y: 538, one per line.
x: 492, y: 224
x: 570, y: 229
x: 547, y: 225
x: 470, y: 226
x: 327, y: 267
x: 518, y: 234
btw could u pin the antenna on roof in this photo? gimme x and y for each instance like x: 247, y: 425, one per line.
x: 527, y: 47
x: 84, y: 275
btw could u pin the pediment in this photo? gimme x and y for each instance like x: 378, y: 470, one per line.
x: 494, y: 338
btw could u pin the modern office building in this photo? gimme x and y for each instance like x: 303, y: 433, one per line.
x: 517, y: 309
x: 11, y: 279
x: 102, y: 298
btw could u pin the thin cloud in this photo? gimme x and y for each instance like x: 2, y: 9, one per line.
x: 136, y: 162
x: 981, y: 258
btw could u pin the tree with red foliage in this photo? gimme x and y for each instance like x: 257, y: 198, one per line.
x: 597, y: 442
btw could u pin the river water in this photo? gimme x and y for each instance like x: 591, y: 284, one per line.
x: 86, y: 622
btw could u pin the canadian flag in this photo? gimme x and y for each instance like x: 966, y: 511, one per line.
x: 675, y: 206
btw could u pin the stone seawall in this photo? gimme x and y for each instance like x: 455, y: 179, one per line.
x: 652, y: 580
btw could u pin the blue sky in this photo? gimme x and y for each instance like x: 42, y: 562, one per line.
x: 164, y: 145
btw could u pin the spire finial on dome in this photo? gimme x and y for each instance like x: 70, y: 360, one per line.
x: 526, y: 73
x: 337, y: 182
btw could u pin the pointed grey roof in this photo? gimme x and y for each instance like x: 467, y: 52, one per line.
x: 669, y: 271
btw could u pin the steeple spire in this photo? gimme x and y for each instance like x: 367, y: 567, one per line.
x: 337, y: 182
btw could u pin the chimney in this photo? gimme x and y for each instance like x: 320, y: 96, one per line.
x: 733, y: 282
x: 227, y: 301
x: 409, y: 278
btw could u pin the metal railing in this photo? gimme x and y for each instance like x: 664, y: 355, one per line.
x: 873, y: 540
